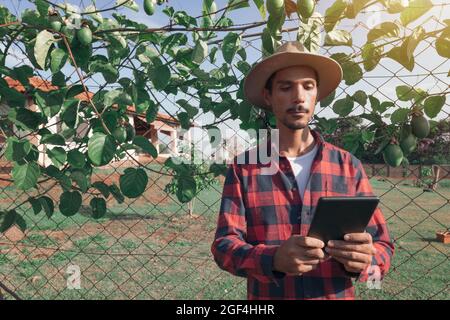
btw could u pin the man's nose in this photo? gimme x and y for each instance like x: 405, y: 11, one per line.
x: 299, y: 93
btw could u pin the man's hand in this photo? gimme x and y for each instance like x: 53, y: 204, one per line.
x: 298, y: 255
x: 355, y: 253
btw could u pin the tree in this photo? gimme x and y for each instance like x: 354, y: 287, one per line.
x: 135, y: 63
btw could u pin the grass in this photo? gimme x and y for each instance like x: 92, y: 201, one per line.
x: 148, y: 251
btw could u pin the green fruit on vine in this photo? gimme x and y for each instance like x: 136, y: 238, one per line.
x: 149, y: 7
x: 120, y: 134
x: 55, y: 22
x: 275, y: 7
x: 131, y: 132
x: 305, y: 8
x: 84, y: 36
x: 420, y: 126
x: 393, y: 155
x: 408, y: 144
x: 160, y: 2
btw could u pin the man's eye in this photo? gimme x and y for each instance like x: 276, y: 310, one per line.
x: 285, y: 88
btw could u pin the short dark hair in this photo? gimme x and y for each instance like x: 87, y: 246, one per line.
x: 269, y: 82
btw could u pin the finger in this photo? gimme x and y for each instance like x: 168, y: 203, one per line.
x: 351, y: 266
x: 314, y: 253
x: 309, y: 242
x: 363, y: 237
x: 352, y: 246
x: 350, y: 255
x: 306, y: 261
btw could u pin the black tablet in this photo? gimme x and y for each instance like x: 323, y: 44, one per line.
x: 337, y: 216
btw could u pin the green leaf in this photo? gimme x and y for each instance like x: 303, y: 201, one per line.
x: 237, y: 4
x: 338, y: 38
x: 399, y: 115
x: 382, y: 31
x: 328, y: 100
x: 334, y: 14
x: 58, y: 59
x: 160, y: 77
x: 395, y: 6
x: 343, y: 107
x: 24, y: 118
x: 133, y: 182
x: 101, y: 148
x: 184, y: 119
x: 44, y: 40
x: 25, y: 176
x: 70, y: 203
x: 76, y: 158
x: 145, y: 145
x: 74, y: 90
x: 130, y: 4
x: 230, y: 46
x: 35, y: 204
x: 200, y: 52
x: 80, y: 178
x: 186, y: 188
x: 42, y: 7
x: 47, y: 205
x: 108, y: 71
x: 433, y: 105
x: 102, y: 187
x: 58, y: 156
x: 415, y: 10
x: 8, y: 220
x: 98, y: 206
x: 192, y: 111
x: 261, y: 8
x: 407, y: 93
x: 360, y: 97
x: 443, y: 44
x: 22, y: 73
x: 17, y: 149
x: 115, y: 191
x: 69, y: 113
x: 352, y: 71
x: 405, y: 53
x: 371, y: 56
x: 54, y: 139
x: 117, y: 96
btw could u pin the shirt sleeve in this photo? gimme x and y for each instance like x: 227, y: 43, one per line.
x: 230, y: 250
x: 377, y: 228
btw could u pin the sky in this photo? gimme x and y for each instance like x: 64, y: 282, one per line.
x: 430, y: 72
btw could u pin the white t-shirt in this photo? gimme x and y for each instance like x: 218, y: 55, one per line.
x: 302, y: 168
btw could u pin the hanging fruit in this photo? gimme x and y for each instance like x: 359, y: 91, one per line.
x: 149, y: 7
x: 420, y: 126
x: 84, y: 35
x: 55, y: 22
x: 393, y: 154
x: 275, y: 7
x: 305, y: 8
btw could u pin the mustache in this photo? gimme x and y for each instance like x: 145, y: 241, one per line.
x: 297, y: 108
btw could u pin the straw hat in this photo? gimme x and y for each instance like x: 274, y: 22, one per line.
x: 291, y: 53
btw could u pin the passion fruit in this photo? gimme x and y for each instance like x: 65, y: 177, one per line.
x: 120, y: 134
x: 305, y: 8
x: 84, y: 35
x: 131, y: 132
x: 408, y: 144
x: 275, y: 7
x: 149, y: 7
x: 420, y: 126
x: 393, y: 155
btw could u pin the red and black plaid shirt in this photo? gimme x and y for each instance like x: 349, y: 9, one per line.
x: 258, y: 212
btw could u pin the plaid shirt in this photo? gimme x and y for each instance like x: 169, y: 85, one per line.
x: 258, y: 212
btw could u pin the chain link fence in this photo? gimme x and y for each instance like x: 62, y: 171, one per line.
x: 154, y: 247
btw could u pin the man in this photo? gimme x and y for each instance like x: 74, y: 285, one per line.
x: 264, y: 219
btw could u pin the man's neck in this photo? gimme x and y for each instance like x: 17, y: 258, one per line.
x: 294, y: 143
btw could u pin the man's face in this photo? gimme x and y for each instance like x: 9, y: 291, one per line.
x: 293, y: 97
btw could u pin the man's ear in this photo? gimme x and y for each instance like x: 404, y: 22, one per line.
x: 267, y: 95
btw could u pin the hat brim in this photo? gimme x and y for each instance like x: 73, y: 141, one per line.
x: 328, y: 71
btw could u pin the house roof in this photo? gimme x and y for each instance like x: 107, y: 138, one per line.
x: 46, y: 86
